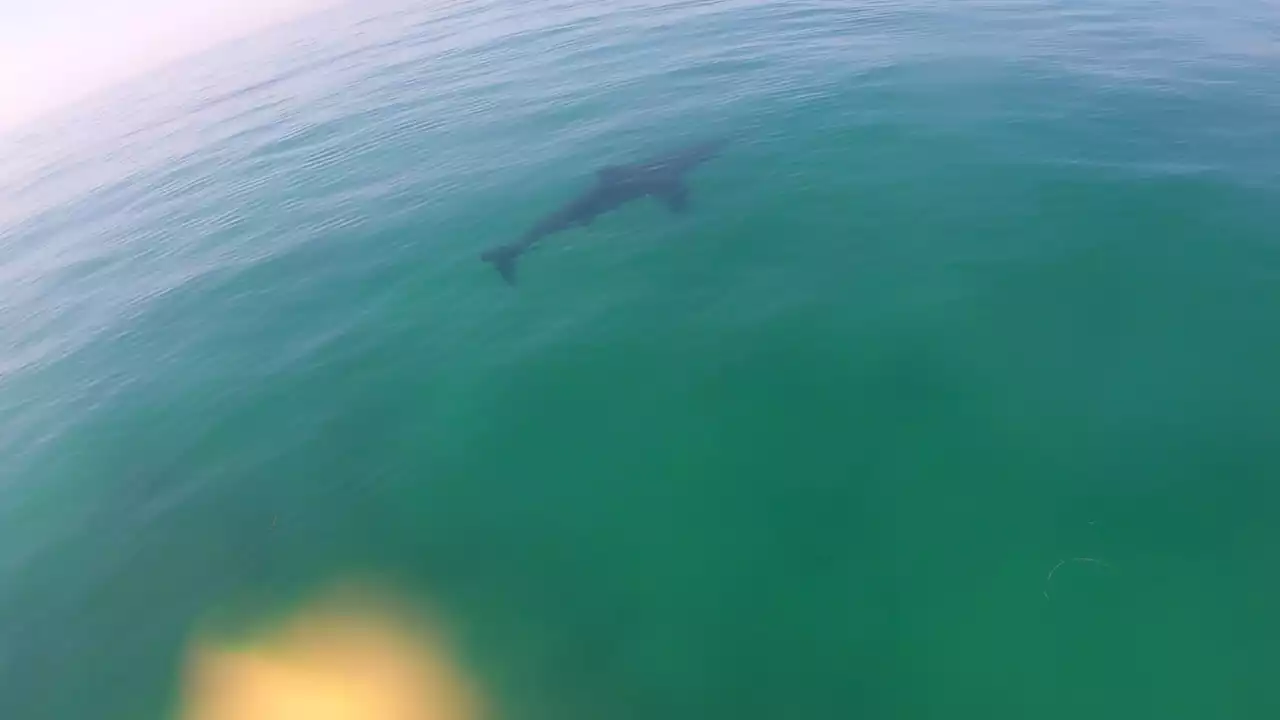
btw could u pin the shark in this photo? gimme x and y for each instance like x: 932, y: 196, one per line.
x: 662, y: 178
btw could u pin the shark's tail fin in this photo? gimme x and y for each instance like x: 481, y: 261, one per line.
x: 504, y: 261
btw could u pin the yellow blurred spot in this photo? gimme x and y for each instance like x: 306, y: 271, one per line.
x: 350, y: 656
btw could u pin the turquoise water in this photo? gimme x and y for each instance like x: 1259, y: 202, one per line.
x: 976, y: 289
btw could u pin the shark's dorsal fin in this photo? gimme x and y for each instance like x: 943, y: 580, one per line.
x: 610, y: 173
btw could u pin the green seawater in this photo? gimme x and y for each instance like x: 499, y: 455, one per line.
x: 975, y: 289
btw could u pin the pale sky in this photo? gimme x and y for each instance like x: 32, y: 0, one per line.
x: 53, y: 52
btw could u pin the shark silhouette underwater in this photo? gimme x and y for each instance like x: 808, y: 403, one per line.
x: 662, y: 178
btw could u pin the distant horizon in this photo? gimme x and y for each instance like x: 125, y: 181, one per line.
x: 66, y: 51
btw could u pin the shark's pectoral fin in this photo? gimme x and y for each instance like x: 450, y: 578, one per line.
x: 676, y: 197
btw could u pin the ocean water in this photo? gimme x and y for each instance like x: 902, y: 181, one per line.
x: 954, y: 394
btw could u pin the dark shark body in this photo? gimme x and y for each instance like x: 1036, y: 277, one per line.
x: 661, y: 178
